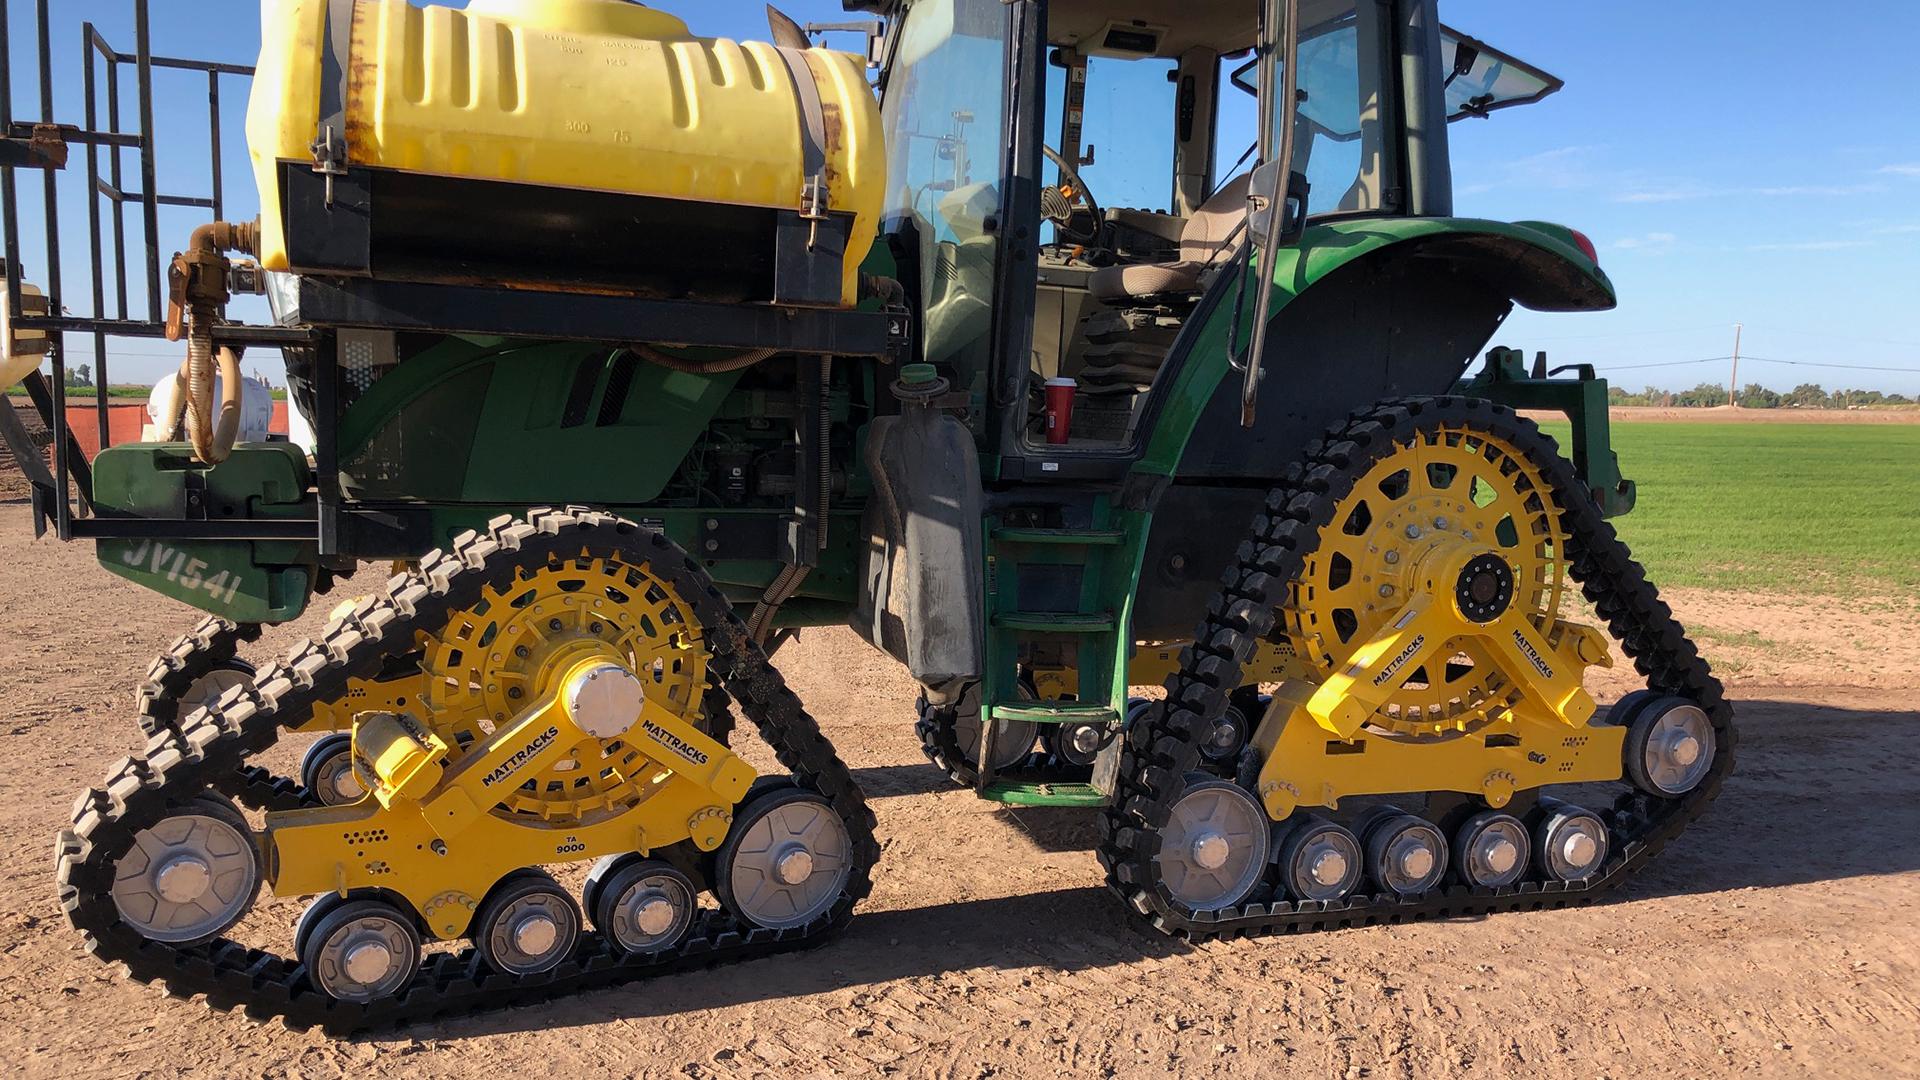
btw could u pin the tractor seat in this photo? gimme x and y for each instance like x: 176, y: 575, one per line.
x: 1208, y: 234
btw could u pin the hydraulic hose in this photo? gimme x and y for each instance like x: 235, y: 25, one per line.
x: 206, y: 292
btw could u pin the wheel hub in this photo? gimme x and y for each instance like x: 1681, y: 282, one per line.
x: 183, y: 879
x: 793, y: 865
x: 654, y: 915
x: 1085, y: 739
x: 535, y: 933
x: 1327, y: 866
x: 1413, y: 859
x: 1497, y: 854
x: 1210, y: 850
x: 366, y: 962
x: 1578, y: 849
x: 1682, y: 749
x: 1485, y: 588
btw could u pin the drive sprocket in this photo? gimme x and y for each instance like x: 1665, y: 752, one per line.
x: 1454, y: 481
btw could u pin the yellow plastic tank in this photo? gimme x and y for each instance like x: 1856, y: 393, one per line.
x: 602, y: 95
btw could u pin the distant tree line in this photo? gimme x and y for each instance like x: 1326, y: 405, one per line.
x: 1755, y: 396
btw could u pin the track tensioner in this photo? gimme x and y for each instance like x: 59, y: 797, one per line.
x: 563, y: 667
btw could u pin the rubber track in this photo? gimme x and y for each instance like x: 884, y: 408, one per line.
x: 215, y: 743
x: 1159, y: 753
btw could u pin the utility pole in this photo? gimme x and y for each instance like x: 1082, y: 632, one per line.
x: 1733, y: 381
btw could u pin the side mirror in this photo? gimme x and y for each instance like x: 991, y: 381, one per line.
x: 1293, y: 219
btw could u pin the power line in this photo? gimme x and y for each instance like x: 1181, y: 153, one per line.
x: 1818, y: 363
x: 1671, y: 363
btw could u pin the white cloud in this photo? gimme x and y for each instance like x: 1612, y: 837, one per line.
x: 1899, y: 170
x: 1657, y: 239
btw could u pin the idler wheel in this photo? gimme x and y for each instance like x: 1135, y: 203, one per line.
x: 642, y: 905
x: 1491, y: 850
x: 1570, y: 843
x: 1213, y: 849
x: 1406, y: 855
x: 357, y: 949
x: 785, y: 861
x: 327, y: 770
x: 189, y: 876
x: 1319, y: 860
x: 1669, y: 747
x: 527, y: 925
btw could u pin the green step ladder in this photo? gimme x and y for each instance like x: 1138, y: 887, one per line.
x: 1053, y: 585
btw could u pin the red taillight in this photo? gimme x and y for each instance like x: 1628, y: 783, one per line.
x: 1586, y: 246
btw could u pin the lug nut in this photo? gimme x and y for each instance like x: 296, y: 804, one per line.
x: 1386, y: 590
x: 1392, y: 557
x: 1439, y: 523
x: 514, y: 692
x: 522, y: 651
x: 555, y: 625
x: 1413, y: 532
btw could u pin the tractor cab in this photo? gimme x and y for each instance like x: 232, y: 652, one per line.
x: 1082, y: 168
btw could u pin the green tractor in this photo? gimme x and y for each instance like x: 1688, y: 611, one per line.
x: 641, y: 352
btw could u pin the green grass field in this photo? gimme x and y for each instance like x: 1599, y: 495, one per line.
x: 1801, y: 508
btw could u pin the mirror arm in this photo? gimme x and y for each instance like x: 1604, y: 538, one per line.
x: 1288, y: 104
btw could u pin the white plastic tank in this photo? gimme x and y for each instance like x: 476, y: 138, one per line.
x: 256, y: 409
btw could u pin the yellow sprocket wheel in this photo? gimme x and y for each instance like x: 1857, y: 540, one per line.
x: 1453, y: 480
x: 495, y: 659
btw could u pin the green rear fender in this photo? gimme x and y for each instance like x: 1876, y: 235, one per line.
x: 1494, y: 264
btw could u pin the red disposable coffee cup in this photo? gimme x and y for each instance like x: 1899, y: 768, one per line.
x: 1059, y: 409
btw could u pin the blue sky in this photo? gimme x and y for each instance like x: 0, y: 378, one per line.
x: 1753, y: 163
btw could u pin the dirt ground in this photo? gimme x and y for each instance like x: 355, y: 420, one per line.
x: 1774, y: 939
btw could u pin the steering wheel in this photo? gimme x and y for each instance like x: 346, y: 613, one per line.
x: 1069, y: 205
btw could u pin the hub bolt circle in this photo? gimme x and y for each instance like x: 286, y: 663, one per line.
x: 183, y: 879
